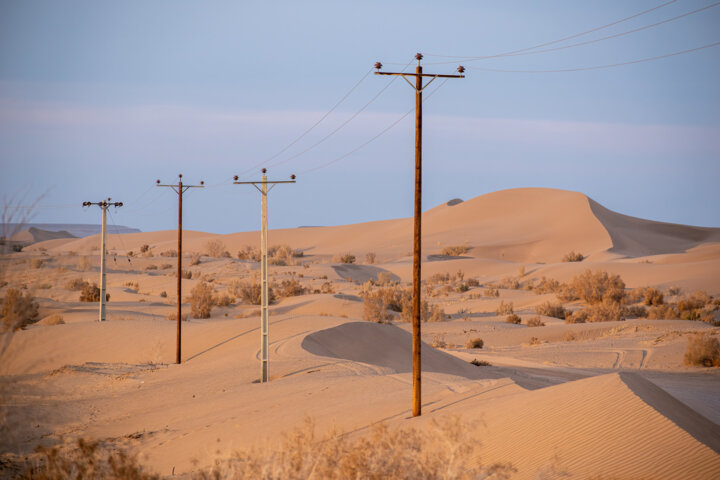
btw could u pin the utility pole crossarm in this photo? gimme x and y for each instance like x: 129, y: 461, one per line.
x: 403, y: 74
x: 179, y: 189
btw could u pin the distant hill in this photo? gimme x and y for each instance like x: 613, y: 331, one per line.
x: 33, y: 235
x: 73, y: 229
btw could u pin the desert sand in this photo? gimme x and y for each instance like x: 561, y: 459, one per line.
x: 610, y: 399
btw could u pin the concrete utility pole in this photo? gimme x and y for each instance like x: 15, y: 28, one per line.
x: 264, y: 313
x: 417, y: 243
x: 179, y: 189
x: 104, y: 206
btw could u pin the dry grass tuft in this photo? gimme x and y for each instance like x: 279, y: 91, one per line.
x: 76, y: 284
x: 344, y: 258
x: 214, y: 248
x: 514, y: 319
x: 505, y: 308
x: 370, y: 258
x: 702, y: 350
x: 173, y: 316
x: 455, y: 251
x: 439, y: 341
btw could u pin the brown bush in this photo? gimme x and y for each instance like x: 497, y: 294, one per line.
x: 690, y: 306
x: 249, y: 253
x: 663, y: 312
x: 600, y: 312
x: 535, y: 322
x: 91, y: 293
x: 636, y: 311
x: 223, y: 300
x: 169, y: 253
x: 569, y: 336
x: 151, y: 267
x: 290, y: 288
x: 214, y: 248
x: 19, y: 309
x: 596, y: 287
x: 566, y: 293
x: 173, y: 316
x: 549, y: 309
x: 534, y: 341
x: 648, y: 296
x: 76, y: 284
x: 438, y: 341
x: 473, y: 282
x: 702, y: 350
x: 201, y: 300
x: 370, y: 258
x: 512, y: 318
x: 54, y: 319
x: 475, y: 343
x: 546, y: 285
x: 505, y: 308
x: 375, y: 310
x: 344, y: 258
x: 573, y: 257
x: 251, y: 292
x: 144, y: 248
x: 510, y: 283
x: 491, y: 292
x: 455, y: 251
x: 578, y: 316
x: 195, y: 259
x: 36, y: 262
x: 437, y: 314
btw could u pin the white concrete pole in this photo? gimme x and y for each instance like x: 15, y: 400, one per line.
x: 264, y: 283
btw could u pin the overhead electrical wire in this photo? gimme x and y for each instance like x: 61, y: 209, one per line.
x: 588, y: 42
x: 378, y: 135
x: 600, y: 67
x: 553, y: 42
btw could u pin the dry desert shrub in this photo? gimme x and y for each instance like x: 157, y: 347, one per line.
x: 88, y: 460
x: 600, y: 312
x: 384, y: 278
x: 223, y: 300
x: 455, y: 251
x: 375, y: 310
x: 505, y: 308
x: 54, y: 319
x: 370, y: 258
x: 165, y: 266
x: 663, y: 312
x: 702, y: 350
x: 344, y: 258
x: 566, y: 293
x: 169, y: 253
x: 214, y: 248
x: 36, y: 262
x: 439, y: 278
x: 91, y: 293
x: 163, y: 294
x: 550, y: 309
x: 173, y: 316
x: 438, y: 341
x: 251, y: 292
x: 514, y: 319
x: 636, y: 311
x: 491, y: 292
x: 510, y: 283
x: 201, y: 300
x: 75, y: 285
x: 152, y: 266
x: 282, y: 255
x: 249, y: 253
x: 569, y: 336
x: 534, y: 341
x: 546, y: 285
x: 133, y: 286
x: 18, y: 310
x: 473, y: 282
x: 396, y: 299
x: 535, y: 322
x: 483, y: 363
x: 475, y: 343
x: 194, y: 259
x: 573, y: 257
x: 289, y: 288
x: 596, y: 287
x: 647, y: 295
x: 446, y: 449
x: 144, y: 248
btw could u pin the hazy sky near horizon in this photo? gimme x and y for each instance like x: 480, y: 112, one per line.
x: 101, y: 98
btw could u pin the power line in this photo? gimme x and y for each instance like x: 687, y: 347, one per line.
x: 609, y: 37
x: 378, y: 135
x: 553, y: 42
x: 600, y: 67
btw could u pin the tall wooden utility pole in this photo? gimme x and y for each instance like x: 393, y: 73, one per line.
x: 103, y: 286
x: 264, y: 300
x: 179, y: 189
x: 417, y: 243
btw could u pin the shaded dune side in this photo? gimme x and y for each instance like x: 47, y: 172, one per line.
x: 615, y: 425
x: 637, y: 237
x: 386, y: 346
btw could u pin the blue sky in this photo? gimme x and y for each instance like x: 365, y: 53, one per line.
x: 100, y: 98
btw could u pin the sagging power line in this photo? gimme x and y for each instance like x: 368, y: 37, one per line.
x: 180, y: 188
